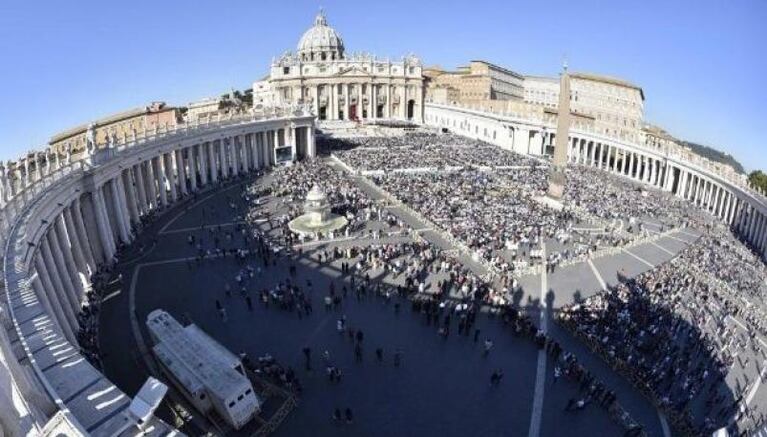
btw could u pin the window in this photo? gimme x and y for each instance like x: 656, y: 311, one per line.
x: 248, y: 391
x: 285, y: 70
x: 231, y: 404
x: 239, y: 398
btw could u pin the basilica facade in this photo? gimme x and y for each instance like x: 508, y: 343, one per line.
x: 357, y: 87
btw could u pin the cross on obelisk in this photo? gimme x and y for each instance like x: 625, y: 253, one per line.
x: 557, y: 178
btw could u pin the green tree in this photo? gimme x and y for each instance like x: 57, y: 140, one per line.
x: 758, y: 179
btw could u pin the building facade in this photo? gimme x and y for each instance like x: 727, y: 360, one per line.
x: 344, y: 87
x: 617, y: 106
x: 119, y: 127
x: 477, y: 82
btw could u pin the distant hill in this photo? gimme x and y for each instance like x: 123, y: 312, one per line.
x: 714, y: 155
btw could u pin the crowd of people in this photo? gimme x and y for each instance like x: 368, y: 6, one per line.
x: 611, y: 197
x: 679, y: 337
x: 496, y: 216
x: 425, y: 150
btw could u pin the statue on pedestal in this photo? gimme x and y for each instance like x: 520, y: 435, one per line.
x: 90, y: 139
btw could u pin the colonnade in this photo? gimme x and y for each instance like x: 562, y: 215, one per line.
x: 89, y: 231
x: 64, y: 219
x: 745, y: 214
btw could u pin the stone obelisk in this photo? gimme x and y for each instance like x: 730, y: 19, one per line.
x: 557, y: 178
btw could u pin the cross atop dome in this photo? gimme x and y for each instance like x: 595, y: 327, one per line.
x: 321, y: 19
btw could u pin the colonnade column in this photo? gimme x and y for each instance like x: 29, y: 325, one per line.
x: 84, y: 213
x: 54, y: 259
x: 222, y: 157
x: 170, y: 175
x: 192, y: 153
x: 139, y: 180
x: 160, y: 179
x: 181, y: 169
x: 151, y: 178
x: 122, y: 224
x: 234, y: 153
x: 212, y: 162
x: 82, y: 259
x: 102, y: 221
x: 130, y: 195
x: 202, y: 157
x: 79, y: 283
x: 60, y: 305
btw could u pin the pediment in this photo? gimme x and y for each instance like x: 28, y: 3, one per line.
x: 353, y: 71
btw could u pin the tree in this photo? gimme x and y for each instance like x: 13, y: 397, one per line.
x: 758, y: 179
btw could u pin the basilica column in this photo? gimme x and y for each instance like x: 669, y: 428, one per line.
x: 403, y: 103
x: 347, y: 97
x: 277, y: 143
x: 374, y: 100
x: 310, y: 146
x: 370, y: 101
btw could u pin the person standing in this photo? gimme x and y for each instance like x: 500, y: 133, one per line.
x: 488, y: 346
x: 308, y: 357
x: 349, y: 416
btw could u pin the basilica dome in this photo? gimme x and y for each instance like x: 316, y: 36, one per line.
x: 321, y: 42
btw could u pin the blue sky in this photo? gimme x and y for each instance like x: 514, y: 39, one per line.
x: 701, y: 63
